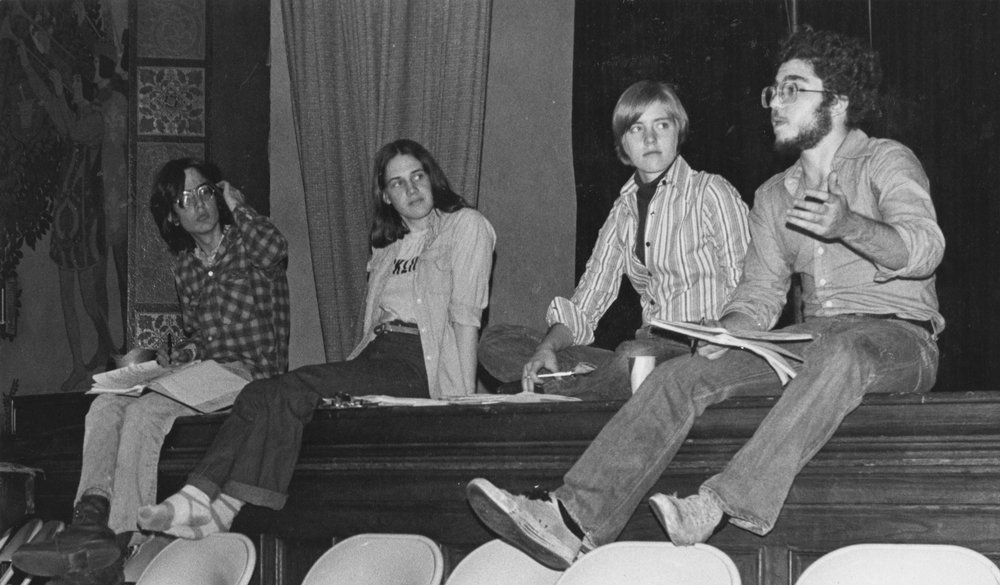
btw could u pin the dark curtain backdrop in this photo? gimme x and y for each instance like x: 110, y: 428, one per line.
x: 364, y: 73
x: 941, y: 97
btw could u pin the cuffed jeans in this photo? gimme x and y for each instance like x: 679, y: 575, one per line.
x: 504, y: 349
x: 254, y: 454
x: 849, y: 357
x: 121, y: 452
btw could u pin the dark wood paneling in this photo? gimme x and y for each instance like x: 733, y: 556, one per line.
x: 900, y: 469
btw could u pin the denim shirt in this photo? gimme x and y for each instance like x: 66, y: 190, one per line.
x: 881, y: 179
x: 451, y: 286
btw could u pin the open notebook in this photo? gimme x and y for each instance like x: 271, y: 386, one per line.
x: 204, y: 386
x: 762, y: 343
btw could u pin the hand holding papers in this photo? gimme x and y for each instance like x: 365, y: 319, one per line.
x: 762, y: 343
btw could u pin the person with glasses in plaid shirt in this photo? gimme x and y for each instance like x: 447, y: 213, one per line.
x: 230, y: 275
x: 853, y: 215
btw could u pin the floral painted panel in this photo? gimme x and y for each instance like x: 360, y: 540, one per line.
x: 171, y: 29
x: 171, y: 101
x: 152, y: 329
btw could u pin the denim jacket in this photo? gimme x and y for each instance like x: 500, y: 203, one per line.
x: 451, y: 286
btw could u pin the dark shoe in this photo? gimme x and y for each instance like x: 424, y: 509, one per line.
x: 536, y: 526
x: 113, y: 574
x: 86, y: 546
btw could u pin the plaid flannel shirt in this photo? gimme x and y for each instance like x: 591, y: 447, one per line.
x: 237, y: 310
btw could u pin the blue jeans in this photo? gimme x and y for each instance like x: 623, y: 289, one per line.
x: 850, y: 356
x: 504, y: 349
x: 121, y: 452
x: 254, y: 454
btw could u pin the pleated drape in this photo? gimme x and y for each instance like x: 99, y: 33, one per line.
x: 363, y: 73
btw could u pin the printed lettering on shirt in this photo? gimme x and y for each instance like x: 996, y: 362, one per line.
x: 403, y: 266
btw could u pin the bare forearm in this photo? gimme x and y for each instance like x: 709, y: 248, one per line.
x: 467, y: 338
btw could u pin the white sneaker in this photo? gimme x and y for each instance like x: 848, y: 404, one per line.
x: 533, y: 525
x: 687, y: 520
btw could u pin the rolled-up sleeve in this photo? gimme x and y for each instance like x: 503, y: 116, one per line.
x: 472, y: 258
x: 904, y: 201
x: 598, y: 287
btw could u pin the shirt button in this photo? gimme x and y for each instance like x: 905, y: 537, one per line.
x: 209, y: 338
x: 828, y: 304
x: 822, y: 282
x: 429, y: 358
x: 210, y: 273
x: 819, y: 250
x: 418, y: 301
x: 648, y: 244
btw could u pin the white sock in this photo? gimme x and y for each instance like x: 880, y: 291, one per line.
x: 223, y: 510
x: 190, y: 507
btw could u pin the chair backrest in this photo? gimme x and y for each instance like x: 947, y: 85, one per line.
x: 909, y: 564
x: 223, y: 558
x: 377, y: 559
x: 640, y: 563
x: 498, y: 563
x: 149, y: 550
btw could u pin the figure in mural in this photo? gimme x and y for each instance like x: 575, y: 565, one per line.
x: 112, y: 101
x: 77, y: 243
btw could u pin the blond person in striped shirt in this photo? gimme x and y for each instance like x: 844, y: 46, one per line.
x: 678, y: 234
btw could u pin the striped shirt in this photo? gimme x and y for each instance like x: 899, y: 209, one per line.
x: 237, y: 309
x: 696, y: 237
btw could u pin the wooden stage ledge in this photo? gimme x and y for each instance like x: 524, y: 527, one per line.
x: 914, y: 469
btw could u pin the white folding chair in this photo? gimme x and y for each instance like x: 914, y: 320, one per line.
x: 25, y: 534
x: 149, y: 550
x: 379, y: 559
x: 223, y: 558
x: 641, y: 563
x: 901, y: 564
x: 498, y: 563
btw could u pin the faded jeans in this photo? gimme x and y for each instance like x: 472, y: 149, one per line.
x: 504, y: 349
x: 121, y: 452
x: 850, y: 356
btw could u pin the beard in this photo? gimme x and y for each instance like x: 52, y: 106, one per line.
x: 809, y: 136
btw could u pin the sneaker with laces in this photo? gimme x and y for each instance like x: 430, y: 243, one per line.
x: 533, y: 524
x: 687, y: 520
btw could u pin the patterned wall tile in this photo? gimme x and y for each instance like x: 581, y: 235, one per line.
x: 171, y: 29
x: 150, y: 267
x: 171, y: 101
x: 152, y: 328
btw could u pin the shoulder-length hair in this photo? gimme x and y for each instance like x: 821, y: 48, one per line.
x: 388, y: 225
x: 168, y: 186
x: 635, y: 100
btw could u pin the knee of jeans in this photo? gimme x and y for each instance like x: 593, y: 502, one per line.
x: 632, y: 348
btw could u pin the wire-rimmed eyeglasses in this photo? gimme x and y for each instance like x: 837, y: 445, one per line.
x: 786, y: 92
x: 204, y: 193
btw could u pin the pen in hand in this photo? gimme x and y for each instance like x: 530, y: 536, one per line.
x: 694, y: 340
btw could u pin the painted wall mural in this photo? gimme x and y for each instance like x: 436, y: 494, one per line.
x: 63, y: 156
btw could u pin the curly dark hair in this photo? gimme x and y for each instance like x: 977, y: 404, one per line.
x: 387, y: 225
x: 167, y: 186
x: 846, y: 65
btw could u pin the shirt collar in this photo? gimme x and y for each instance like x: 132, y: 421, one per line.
x: 853, y: 146
x: 677, y: 174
